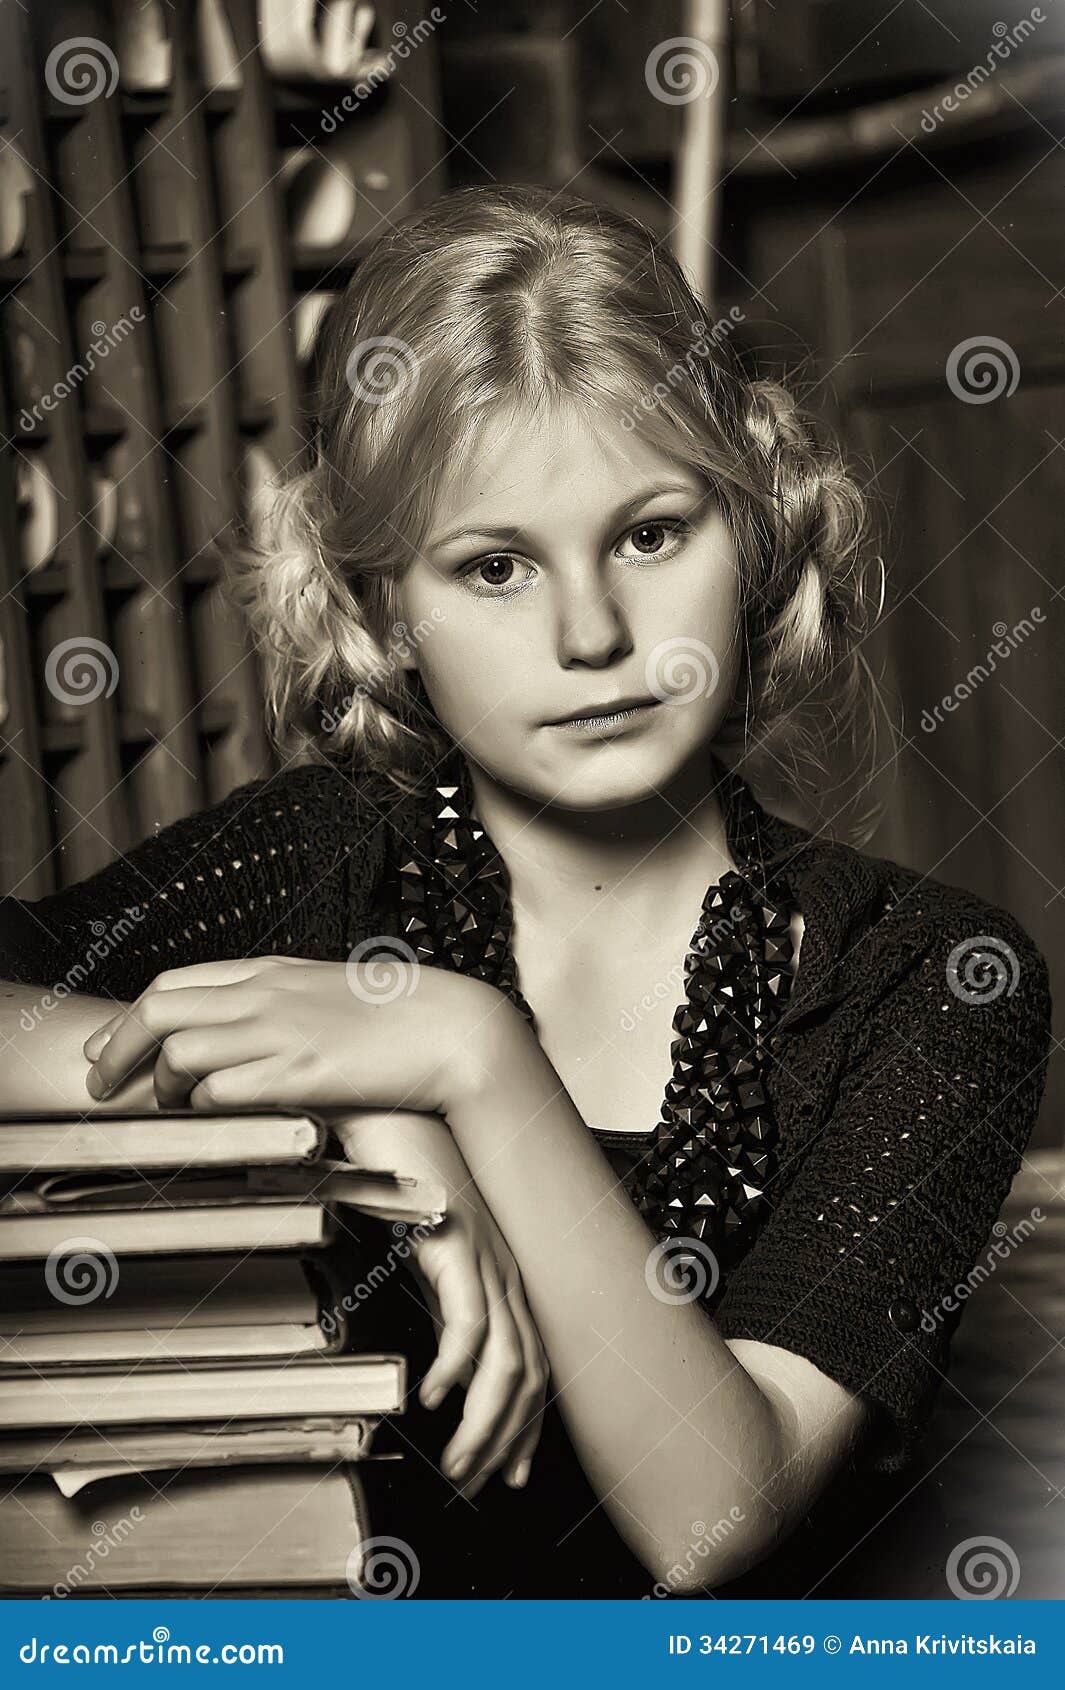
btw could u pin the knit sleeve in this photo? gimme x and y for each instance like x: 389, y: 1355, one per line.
x: 893, y: 1205
x: 264, y: 872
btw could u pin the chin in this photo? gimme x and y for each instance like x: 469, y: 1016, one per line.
x: 610, y: 775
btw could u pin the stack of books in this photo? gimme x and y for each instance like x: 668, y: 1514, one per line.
x: 184, y: 1402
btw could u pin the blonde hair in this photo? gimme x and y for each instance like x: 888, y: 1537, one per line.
x: 493, y: 296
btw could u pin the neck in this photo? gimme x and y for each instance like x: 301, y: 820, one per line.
x: 670, y: 844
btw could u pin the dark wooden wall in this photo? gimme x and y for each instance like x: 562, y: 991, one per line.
x: 868, y: 274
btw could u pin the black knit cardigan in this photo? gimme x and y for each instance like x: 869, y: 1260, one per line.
x: 908, y: 1072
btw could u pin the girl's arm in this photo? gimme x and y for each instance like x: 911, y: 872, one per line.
x: 487, y: 1339
x: 628, y: 1370
x: 683, y: 1431
x: 281, y: 866
x: 676, y: 1435
x: 671, y: 1430
x: 266, y: 870
x: 43, y: 1066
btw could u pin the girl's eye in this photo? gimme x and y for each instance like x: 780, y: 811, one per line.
x: 496, y: 577
x: 493, y: 577
x: 657, y: 540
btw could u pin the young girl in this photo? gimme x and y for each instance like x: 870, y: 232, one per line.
x: 726, y: 1107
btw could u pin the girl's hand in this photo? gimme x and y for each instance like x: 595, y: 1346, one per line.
x: 487, y: 1339
x: 287, y: 1032
x: 292, y: 1033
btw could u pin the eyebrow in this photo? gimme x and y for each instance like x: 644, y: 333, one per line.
x: 628, y: 509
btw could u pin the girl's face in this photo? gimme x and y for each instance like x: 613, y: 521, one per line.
x: 573, y: 569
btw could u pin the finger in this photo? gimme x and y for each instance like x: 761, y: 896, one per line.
x: 525, y: 1440
x: 500, y: 1371
x: 95, y: 1042
x: 516, y: 1437
x: 537, y: 1372
x: 425, y: 1290
x: 155, y: 1014
x: 184, y: 1060
x: 205, y: 1054
x: 520, y: 1460
x: 465, y: 1373
x: 465, y: 1316
x: 464, y: 1326
x: 265, y: 1080
x: 175, y: 1075
x: 229, y: 972
x: 513, y: 1445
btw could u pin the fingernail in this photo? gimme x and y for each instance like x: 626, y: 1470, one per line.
x: 457, y: 1467
x: 435, y: 1397
x: 520, y: 1475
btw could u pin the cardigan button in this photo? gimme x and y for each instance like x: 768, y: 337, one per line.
x: 903, y: 1315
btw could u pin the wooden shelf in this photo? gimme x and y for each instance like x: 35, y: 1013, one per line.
x: 157, y: 227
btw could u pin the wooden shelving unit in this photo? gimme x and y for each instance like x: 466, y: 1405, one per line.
x: 150, y: 287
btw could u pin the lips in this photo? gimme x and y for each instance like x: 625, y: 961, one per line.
x: 603, y: 710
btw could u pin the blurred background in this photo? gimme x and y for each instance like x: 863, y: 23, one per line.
x: 869, y: 196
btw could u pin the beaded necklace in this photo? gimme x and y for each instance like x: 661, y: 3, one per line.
x: 701, y: 1174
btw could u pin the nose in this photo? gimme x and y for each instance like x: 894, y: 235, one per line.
x: 593, y: 629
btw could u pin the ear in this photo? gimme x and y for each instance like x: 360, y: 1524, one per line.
x: 403, y: 649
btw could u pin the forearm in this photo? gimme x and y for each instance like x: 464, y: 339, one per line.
x: 414, y: 1142
x: 43, y: 1066
x: 669, y: 1427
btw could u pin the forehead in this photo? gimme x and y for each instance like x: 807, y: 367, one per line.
x: 522, y: 456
